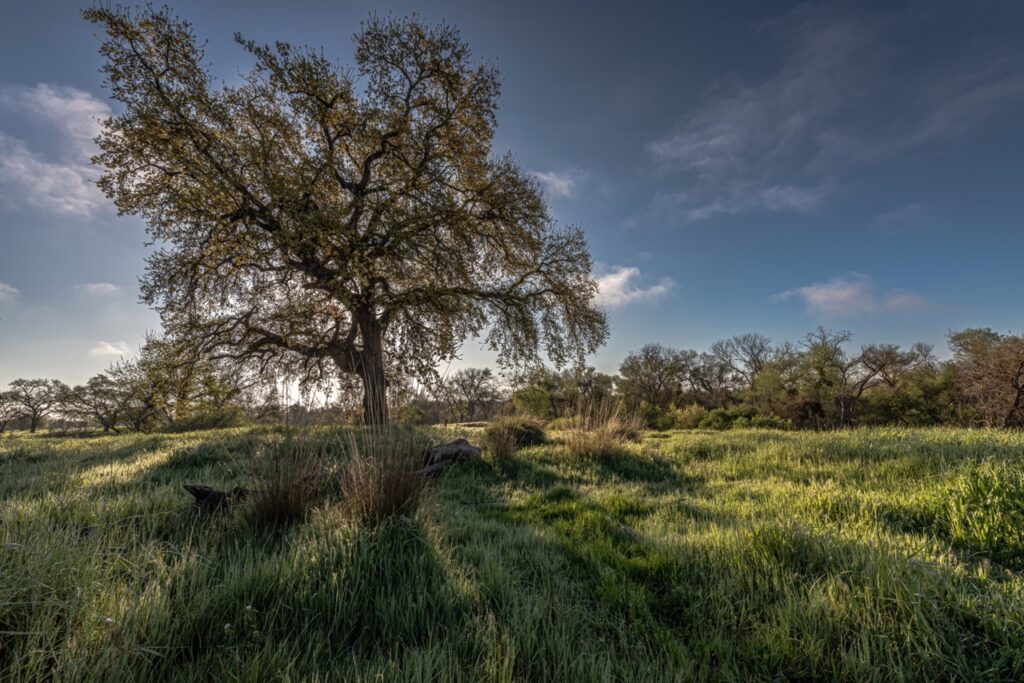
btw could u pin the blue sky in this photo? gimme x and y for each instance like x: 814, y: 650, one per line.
x: 737, y: 166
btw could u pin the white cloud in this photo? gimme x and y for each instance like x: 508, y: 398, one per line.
x: 851, y: 295
x: 8, y: 294
x: 617, y: 288
x: 559, y: 184
x: 103, y: 348
x: 63, y: 183
x: 786, y: 142
x: 97, y: 289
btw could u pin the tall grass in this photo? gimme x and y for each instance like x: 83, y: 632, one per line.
x: 290, y: 475
x: 381, y: 478
x: 601, y: 428
x: 881, y: 554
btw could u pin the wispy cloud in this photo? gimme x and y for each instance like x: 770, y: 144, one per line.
x: 618, y: 288
x: 559, y: 184
x: 8, y: 293
x: 786, y: 142
x: 851, y: 295
x: 62, y: 182
x: 908, y: 214
x: 97, y: 289
x: 104, y: 348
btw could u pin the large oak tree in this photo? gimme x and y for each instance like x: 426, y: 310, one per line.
x: 337, y: 220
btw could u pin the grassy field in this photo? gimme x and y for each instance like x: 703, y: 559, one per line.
x: 881, y: 554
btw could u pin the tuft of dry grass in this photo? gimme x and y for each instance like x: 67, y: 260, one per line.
x: 599, y: 428
x: 381, y: 478
x: 506, y: 435
x: 290, y: 476
x: 499, y: 443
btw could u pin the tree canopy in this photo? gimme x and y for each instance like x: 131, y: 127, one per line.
x: 335, y: 220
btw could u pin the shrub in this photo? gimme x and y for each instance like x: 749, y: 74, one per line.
x: 689, y: 417
x: 290, y: 476
x: 214, y: 418
x: 381, y: 477
x: 411, y: 415
x: 770, y: 422
x: 601, y: 428
x: 650, y: 414
x: 559, y: 424
x: 534, y: 401
x: 525, y: 432
x: 716, y: 419
x: 740, y: 417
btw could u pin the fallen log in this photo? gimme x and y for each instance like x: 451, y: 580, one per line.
x: 435, y: 468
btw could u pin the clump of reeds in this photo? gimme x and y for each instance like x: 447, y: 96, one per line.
x: 601, y: 427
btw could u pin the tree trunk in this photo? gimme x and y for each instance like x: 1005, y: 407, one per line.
x: 375, y: 395
x: 371, y: 371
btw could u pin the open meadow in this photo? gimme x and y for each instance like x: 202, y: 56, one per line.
x: 860, y: 555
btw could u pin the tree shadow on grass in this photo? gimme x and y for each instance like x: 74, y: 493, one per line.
x: 722, y: 602
x: 654, y: 471
x: 365, y: 603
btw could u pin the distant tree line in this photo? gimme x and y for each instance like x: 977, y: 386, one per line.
x: 820, y: 382
x: 824, y: 382
x: 166, y: 387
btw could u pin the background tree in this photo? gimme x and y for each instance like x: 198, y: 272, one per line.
x: 332, y: 220
x: 142, y: 394
x: 744, y: 355
x: 35, y: 398
x: 775, y: 388
x: 988, y: 368
x: 653, y: 375
x: 10, y: 410
x: 469, y: 394
x: 100, y: 400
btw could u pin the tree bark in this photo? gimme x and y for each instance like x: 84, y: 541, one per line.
x: 371, y: 371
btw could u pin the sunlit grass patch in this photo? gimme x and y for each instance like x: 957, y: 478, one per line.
x: 879, y: 554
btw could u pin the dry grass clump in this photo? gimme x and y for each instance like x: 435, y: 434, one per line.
x: 506, y: 435
x: 600, y: 428
x: 291, y: 475
x: 500, y: 443
x: 381, y: 478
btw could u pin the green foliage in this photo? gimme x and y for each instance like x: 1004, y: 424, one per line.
x: 690, y: 416
x: 222, y: 417
x: 718, y: 418
x: 411, y: 415
x: 741, y: 416
x: 348, y: 258
x: 533, y: 401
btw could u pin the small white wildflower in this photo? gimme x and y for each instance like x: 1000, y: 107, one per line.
x: 108, y: 620
x: 227, y: 628
x: 248, y: 608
